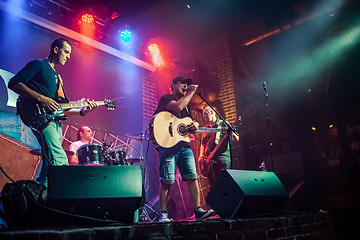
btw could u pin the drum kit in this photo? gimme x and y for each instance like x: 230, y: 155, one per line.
x: 103, y: 155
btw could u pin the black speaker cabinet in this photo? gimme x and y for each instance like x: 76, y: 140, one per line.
x: 303, y: 197
x: 101, y: 192
x: 241, y: 193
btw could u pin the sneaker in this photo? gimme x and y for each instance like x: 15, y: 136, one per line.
x: 201, y: 214
x: 164, y: 217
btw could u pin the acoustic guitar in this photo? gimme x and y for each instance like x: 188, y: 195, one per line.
x: 167, y: 130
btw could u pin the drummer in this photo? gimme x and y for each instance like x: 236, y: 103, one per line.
x: 84, y: 136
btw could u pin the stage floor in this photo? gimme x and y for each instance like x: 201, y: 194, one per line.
x: 286, y: 226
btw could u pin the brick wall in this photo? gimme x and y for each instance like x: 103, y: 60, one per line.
x: 214, y: 59
x: 149, y: 95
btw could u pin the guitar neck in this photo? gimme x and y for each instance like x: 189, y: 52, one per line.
x: 70, y: 105
x: 202, y: 129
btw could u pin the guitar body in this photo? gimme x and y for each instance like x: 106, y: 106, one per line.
x: 35, y: 116
x: 168, y: 130
x: 205, y: 164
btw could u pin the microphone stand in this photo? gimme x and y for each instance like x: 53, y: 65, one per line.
x: 228, y: 125
x: 271, y: 151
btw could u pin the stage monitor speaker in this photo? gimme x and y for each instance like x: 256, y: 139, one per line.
x: 241, y: 193
x: 101, y: 192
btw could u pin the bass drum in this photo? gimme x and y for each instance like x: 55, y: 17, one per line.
x: 90, y: 155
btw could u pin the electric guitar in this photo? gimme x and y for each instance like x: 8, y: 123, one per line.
x: 167, y: 130
x: 35, y: 116
x: 206, y: 163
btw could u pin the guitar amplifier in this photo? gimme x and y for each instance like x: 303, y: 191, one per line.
x: 101, y: 192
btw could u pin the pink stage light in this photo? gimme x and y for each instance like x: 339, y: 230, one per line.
x: 87, y: 18
x: 155, y: 55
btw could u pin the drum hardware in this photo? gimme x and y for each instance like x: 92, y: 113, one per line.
x: 138, y: 136
x: 131, y: 161
x: 114, y: 157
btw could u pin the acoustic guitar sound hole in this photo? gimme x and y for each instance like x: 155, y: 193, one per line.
x: 182, y: 129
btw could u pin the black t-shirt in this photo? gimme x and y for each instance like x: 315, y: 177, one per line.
x: 165, y: 99
x: 39, y: 76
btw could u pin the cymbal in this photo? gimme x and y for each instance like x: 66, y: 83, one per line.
x: 137, y: 136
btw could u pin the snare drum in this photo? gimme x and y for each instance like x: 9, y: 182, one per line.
x: 90, y: 155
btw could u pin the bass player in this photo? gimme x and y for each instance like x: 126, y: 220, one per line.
x: 214, y: 149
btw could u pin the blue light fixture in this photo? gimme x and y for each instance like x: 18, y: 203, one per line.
x: 125, y: 35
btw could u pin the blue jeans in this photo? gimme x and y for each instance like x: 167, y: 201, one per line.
x: 170, y: 158
x: 50, y: 139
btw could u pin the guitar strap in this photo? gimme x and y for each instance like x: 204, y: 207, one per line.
x: 60, y: 90
x: 187, y: 111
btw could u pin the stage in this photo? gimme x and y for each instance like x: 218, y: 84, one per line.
x: 286, y: 226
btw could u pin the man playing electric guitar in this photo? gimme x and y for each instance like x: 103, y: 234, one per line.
x: 214, y: 149
x: 38, y: 82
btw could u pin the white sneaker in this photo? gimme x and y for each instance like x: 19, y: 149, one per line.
x: 164, y: 217
x: 201, y: 214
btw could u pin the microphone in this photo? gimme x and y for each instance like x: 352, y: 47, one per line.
x: 186, y: 88
x: 264, y: 86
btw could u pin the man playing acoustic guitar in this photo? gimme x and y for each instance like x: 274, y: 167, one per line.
x: 40, y: 84
x: 181, y: 155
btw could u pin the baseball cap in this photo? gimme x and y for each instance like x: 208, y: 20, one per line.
x: 188, y: 81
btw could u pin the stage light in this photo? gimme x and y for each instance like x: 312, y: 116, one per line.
x: 155, y: 55
x: 313, y: 128
x: 87, y: 25
x: 331, y: 126
x: 153, y: 47
x: 125, y: 36
x: 87, y: 18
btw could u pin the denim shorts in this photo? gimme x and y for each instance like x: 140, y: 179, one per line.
x: 170, y: 158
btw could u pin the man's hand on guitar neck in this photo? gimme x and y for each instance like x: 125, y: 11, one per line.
x: 91, y: 105
x: 193, y: 126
